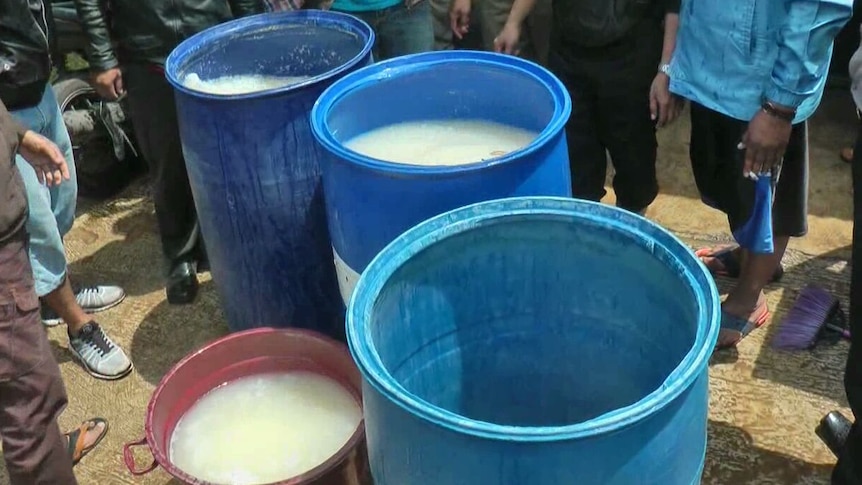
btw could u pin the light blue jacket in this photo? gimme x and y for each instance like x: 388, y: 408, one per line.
x: 731, y: 55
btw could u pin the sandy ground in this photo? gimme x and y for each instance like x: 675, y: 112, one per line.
x: 764, y: 404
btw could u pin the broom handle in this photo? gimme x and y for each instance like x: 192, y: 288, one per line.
x: 843, y: 331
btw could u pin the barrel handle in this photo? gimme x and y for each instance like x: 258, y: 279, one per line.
x: 130, y: 459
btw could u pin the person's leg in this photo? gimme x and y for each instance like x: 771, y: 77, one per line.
x: 32, y: 395
x: 442, y: 30
x: 154, y: 118
x: 404, y: 31
x: 848, y: 470
x: 623, y: 114
x: 789, y: 213
x: 587, y: 156
x: 52, y: 213
x: 493, y: 15
x: 537, y: 30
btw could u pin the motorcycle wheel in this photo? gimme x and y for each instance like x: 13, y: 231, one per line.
x: 100, y: 174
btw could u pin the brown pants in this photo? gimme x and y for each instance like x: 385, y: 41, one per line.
x: 32, y: 395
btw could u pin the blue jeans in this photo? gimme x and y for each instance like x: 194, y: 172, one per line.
x: 52, y: 210
x: 400, y: 30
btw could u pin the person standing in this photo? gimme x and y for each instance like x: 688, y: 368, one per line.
x: 841, y: 435
x: 32, y: 395
x: 754, y: 72
x: 534, y: 41
x: 613, y: 59
x: 145, y: 32
x: 25, y: 69
x: 402, y: 27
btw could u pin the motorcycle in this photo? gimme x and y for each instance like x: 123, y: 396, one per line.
x: 106, y: 158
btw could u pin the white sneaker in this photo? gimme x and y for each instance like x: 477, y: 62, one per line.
x: 98, y: 298
x: 100, y: 356
x: 92, y: 299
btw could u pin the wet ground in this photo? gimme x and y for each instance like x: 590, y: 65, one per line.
x: 764, y: 404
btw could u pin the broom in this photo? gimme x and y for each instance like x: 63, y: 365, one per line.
x: 816, y: 311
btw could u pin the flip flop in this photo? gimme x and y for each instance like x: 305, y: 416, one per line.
x: 722, y: 261
x: 742, y: 325
x: 77, y: 444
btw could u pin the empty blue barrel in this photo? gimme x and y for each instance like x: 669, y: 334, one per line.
x: 370, y: 202
x: 535, y: 341
x: 254, y: 165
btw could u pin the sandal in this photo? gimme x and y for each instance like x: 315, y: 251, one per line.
x: 723, y: 261
x: 77, y: 439
x: 742, y: 325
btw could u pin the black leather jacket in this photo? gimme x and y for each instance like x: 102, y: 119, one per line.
x: 25, y: 62
x: 148, y: 30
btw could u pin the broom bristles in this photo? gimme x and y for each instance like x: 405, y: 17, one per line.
x: 802, y: 324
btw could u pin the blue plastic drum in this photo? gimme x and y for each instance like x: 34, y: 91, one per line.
x: 254, y: 165
x: 535, y: 341
x: 370, y: 202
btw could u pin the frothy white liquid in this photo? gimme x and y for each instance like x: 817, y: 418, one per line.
x: 242, y: 84
x: 264, y: 428
x: 441, y: 142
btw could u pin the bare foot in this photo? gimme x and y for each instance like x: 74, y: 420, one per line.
x: 846, y: 154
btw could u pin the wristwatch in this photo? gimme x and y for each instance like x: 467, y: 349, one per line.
x: 664, y: 69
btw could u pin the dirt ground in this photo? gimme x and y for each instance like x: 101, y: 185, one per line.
x: 764, y: 404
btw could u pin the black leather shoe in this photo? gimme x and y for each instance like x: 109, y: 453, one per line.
x: 833, y: 431
x: 182, y: 285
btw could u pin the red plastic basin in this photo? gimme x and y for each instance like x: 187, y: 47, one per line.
x: 243, y: 354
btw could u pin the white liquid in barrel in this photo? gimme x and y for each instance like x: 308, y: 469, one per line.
x: 264, y: 428
x: 441, y: 142
x: 242, y: 84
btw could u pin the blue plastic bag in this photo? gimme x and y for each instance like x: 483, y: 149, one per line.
x: 755, y: 234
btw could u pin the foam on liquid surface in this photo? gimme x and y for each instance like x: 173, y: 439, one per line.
x: 264, y: 428
x: 240, y: 84
x: 441, y: 142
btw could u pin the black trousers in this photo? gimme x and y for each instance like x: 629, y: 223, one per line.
x: 610, y: 87
x: 154, y: 118
x: 848, y: 471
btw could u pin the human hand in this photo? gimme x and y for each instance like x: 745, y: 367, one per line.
x: 507, y: 41
x: 664, y: 107
x: 45, y: 157
x: 764, y: 143
x: 459, y: 17
x: 109, y: 84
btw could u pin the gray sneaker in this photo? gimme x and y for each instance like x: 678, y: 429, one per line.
x: 92, y: 299
x: 100, y: 356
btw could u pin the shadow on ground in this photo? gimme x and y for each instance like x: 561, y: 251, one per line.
x: 168, y: 333
x: 751, y: 464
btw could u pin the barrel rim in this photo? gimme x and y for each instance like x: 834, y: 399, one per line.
x: 162, y: 455
x: 466, y: 218
x: 407, y: 64
x: 194, y: 44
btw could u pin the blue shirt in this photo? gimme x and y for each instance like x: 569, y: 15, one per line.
x: 362, y: 5
x: 732, y: 55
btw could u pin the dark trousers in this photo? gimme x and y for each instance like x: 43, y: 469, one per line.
x: 849, y: 468
x: 154, y: 118
x: 610, y: 87
x: 32, y: 394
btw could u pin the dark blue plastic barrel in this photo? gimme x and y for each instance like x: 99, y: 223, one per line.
x: 254, y: 165
x: 370, y: 202
x: 535, y: 341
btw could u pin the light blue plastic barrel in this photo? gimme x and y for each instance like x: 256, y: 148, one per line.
x: 254, y: 165
x: 370, y: 202
x: 535, y: 341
